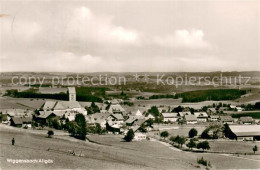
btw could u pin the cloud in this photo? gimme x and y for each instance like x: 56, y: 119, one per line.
x: 193, y: 39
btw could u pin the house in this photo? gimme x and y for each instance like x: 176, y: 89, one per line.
x: 201, y: 116
x: 69, y: 106
x: 232, y: 106
x: 138, y: 113
x: 213, y: 118
x: 226, y: 119
x: 139, y: 134
x: 211, y: 110
x: 149, y: 116
x: 99, y: 118
x: 115, y: 120
x: 246, y: 120
x: 130, y: 121
x: 246, y: 132
x: 182, y: 114
x: 21, y: 121
x: 191, y: 119
x: 239, y: 109
x: 72, y: 93
x: 116, y: 109
x: 170, y: 117
x: 222, y: 109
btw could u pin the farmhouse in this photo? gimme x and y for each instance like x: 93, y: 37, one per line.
x: 201, y: 116
x: 182, y: 114
x: 213, y: 118
x: 130, y: 121
x: 170, y: 117
x: 116, y: 109
x: 115, y: 120
x: 97, y: 118
x: 191, y: 119
x: 246, y: 120
x: 21, y: 121
x: 246, y: 132
x: 211, y: 110
x: 139, y: 134
x: 226, y: 119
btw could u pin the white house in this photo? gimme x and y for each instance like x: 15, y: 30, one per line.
x: 170, y: 117
x: 201, y: 116
x: 191, y: 119
x: 213, y: 118
x: 138, y: 134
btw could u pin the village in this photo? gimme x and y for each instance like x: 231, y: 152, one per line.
x: 111, y: 118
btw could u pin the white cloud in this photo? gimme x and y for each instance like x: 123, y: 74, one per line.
x: 183, y: 39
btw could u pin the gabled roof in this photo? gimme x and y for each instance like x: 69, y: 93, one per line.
x: 115, y: 107
x: 138, y: 113
x: 62, y: 105
x: 21, y: 120
x: 150, y: 116
x: 246, y: 119
x: 212, y: 109
x: 190, y: 118
x: 71, y: 90
x: 117, y: 116
x: 135, y: 128
x: 16, y: 112
x: 245, y: 130
x: 226, y: 118
x: 131, y: 119
x: 49, y: 105
x: 45, y: 114
x: 170, y: 115
x: 97, y: 117
x: 201, y: 114
x: 17, y: 120
x: 184, y: 113
x: 139, y: 122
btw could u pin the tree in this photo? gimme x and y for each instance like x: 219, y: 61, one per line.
x: 228, y: 133
x: 181, y: 141
x: 191, y: 144
x: 205, y: 134
x: 203, y: 145
x: 154, y: 111
x: 164, y: 134
x: 193, y: 132
x: 50, y: 133
x: 80, y: 130
x: 255, y: 149
x: 178, y: 109
x: 129, y: 136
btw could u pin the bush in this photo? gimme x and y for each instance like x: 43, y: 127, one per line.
x: 164, y: 134
x: 191, y: 144
x: 204, y: 162
x: 50, y: 133
x: 203, y: 145
x: 193, y: 132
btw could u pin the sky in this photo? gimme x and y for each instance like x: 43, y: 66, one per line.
x: 129, y: 36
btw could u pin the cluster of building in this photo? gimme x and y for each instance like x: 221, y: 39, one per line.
x: 114, y: 115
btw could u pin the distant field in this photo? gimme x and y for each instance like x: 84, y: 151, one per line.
x: 212, y: 94
x: 255, y: 115
x: 20, y: 103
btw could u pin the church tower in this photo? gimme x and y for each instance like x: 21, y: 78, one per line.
x: 72, y: 93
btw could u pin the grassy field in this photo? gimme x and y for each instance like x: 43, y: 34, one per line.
x: 175, y: 130
x: 20, y: 103
x: 111, y: 153
x: 233, y: 146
